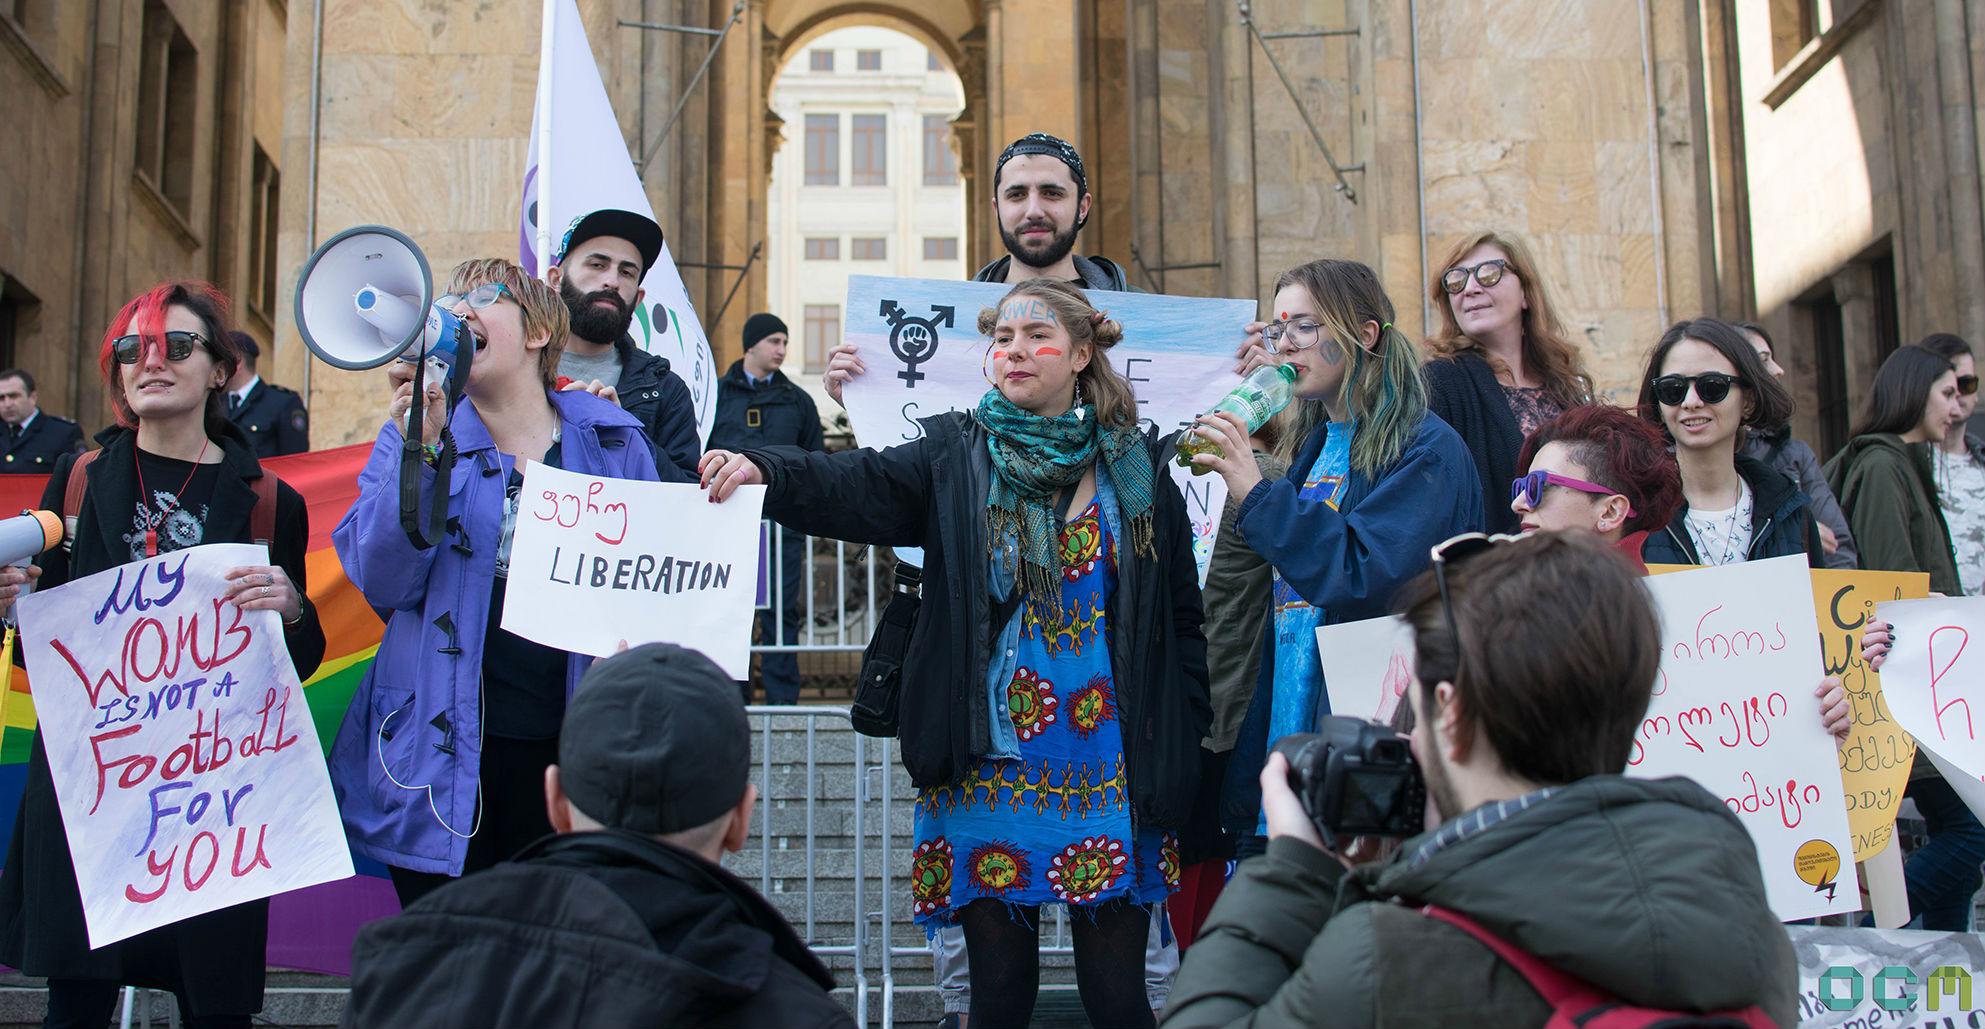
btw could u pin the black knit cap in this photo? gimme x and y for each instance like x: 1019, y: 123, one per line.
x: 1053, y: 146
x: 761, y: 325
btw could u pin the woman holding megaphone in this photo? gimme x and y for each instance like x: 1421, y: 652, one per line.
x: 439, y: 766
x: 173, y: 473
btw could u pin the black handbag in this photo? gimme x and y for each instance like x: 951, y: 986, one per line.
x: 880, y: 685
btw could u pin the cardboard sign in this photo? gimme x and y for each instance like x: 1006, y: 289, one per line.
x: 920, y: 342
x: 185, y: 761
x: 1734, y: 710
x: 596, y: 561
x: 1875, y: 760
x: 1936, y: 684
x: 1367, y: 666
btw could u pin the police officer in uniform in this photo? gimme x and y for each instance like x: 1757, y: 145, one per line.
x: 32, y: 439
x: 757, y: 406
x: 270, y: 416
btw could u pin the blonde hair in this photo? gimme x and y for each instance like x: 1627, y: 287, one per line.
x: 1114, y: 400
x: 1382, y: 391
x: 544, y: 312
x: 1547, y: 347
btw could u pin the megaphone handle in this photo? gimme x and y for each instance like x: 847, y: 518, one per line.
x: 410, y: 459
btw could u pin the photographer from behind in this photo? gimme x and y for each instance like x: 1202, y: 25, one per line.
x: 1645, y: 891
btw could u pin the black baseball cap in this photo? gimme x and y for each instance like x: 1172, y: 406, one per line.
x: 638, y: 229
x: 655, y: 741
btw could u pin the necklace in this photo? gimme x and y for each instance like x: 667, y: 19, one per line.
x: 152, y: 531
x: 1721, y: 531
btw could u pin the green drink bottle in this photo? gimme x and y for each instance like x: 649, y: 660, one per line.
x: 1259, y: 397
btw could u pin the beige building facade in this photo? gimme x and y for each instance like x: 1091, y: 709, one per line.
x: 1813, y: 164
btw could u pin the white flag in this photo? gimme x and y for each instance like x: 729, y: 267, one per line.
x: 590, y: 170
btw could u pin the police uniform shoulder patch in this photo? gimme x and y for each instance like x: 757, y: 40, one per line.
x: 297, y: 419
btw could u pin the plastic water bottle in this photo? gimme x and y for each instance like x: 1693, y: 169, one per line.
x: 1259, y: 397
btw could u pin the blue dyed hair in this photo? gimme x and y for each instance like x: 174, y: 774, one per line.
x: 1382, y: 390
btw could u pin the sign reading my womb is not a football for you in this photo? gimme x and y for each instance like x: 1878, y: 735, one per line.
x: 595, y: 561
x: 186, y: 765
x: 920, y: 342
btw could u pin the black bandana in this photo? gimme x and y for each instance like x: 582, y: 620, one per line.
x: 1042, y: 143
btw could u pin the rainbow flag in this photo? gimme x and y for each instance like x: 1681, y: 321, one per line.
x: 313, y: 928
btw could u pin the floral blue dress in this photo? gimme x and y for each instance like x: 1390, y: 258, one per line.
x: 1054, y: 824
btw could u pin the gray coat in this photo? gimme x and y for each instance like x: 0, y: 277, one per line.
x: 1797, y: 461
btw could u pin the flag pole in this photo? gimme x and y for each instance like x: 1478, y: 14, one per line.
x: 545, y: 61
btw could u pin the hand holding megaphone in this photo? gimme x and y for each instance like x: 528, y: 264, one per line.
x: 21, y: 538
x: 434, y: 413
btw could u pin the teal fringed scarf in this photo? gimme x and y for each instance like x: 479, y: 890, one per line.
x: 1033, y: 459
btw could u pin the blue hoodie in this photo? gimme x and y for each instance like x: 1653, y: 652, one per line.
x: 406, y: 801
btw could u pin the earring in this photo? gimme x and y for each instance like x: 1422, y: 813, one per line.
x: 1078, y: 398
x: 985, y: 366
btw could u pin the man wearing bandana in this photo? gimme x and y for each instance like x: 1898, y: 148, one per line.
x: 1041, y: 195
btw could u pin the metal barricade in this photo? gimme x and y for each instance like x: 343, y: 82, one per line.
x: 839, y: 607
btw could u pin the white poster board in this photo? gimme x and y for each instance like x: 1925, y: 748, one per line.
x: 596, y: 561
x: 1734, y: 710
x: 920, y: 343
x: 185, y: 761
x: 1934, y: 680
x: 1367, y: 666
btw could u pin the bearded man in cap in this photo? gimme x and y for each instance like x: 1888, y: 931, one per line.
x: 757, y: 406
x: 597, y: 269
x: 624, y: 917
x: 1041, y: 197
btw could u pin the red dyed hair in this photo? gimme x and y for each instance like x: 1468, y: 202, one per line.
x: 144, y: 315
x: 1620, y: 451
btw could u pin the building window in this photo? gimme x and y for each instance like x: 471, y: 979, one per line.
x: 868, y: 60
x: 1794, y: 23
x: 823, y: 248
x: 940, y: 164
x: 869, y: 159
x: 940, y: 248
x: 265, y: 193
x: 823, y: 149
x: 168, y: 79
x: 870, y: 248
x: 932, y: 63
x: 823, y: 333
x: 16, y: 308
x: 820, y: 60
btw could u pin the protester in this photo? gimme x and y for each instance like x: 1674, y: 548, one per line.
x: 1705, y: 388
x: 1383, y: 480
x: 757, y: 406
x: 1884, y: 475
x: 1943, y: 875
x: 1041, y: 199
x: 1647, y: 889
x: 626, y: 917
x: 1795, y: 460
x: 597, y: 270
x: 1060, y: 590
x: 439, y: 761
x: 1957, y: 464
x: 272, y: 417
x: 165, y: 363
x: 1501, y: 362
x: 1597, y: 468
x: 34, y: 440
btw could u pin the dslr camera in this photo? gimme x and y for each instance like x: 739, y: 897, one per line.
x: 1356, y: 778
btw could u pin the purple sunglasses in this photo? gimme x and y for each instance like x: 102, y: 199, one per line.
x: 1531, y: 488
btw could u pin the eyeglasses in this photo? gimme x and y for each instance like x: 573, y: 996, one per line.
x: 1710, y: 387
x: 1301, y: 334
x: 1531, y: 488
x: 1967, y: 385
x: 1453, y: 551
x: 478, y: 298
x: 1488, y: 273
x: 179, y: 345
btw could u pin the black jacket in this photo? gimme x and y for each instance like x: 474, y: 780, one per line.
x: 274, y: 420
x: 1795, y: 460
x: 594, y: 929
x: 216, y: 958
x: 1781, y: 523
x: 931, y: 493
x: 1464, y: 391
x: 777, y: 414
x: 1096, y: 272
x: 45, y: 440
x: 651, y: 392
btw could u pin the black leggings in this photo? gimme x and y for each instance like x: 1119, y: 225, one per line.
x: 1004, y: 944
x: 89, y: 1003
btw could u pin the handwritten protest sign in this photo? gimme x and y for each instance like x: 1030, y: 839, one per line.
x: 185, y: 761
x: 1733, y: 709
x: 1936, y: 684
x: 1367, y: 666
x: 1874, y: 762
x: 920, y: 342
x: 596, y: 561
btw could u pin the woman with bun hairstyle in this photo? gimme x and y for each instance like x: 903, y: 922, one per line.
x: 1054, y: 686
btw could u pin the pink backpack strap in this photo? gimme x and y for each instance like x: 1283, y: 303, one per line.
x: 1563, y: 992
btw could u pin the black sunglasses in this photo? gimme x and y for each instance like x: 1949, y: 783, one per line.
x: 178, y: 346
x: 1711, y: 387
x: 1453, y: 551
x: 1967, y: 385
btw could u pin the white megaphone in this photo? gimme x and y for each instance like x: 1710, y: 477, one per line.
x: 25, y: 535
x: 365, y: 298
